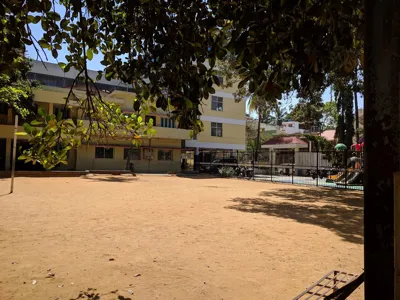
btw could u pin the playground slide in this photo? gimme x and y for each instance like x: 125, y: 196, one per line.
x: 350, y: 179
x: 353, y: 178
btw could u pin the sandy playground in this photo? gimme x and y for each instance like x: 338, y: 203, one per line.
x: 167, y: 237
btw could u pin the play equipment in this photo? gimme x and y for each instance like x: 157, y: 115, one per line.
x: 334, y: 285
x: 341, y: 147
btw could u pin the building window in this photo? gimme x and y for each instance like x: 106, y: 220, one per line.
x: 164, y: 154
x: 216, y: 129
x: 290, y: 125
x: 148, y: 118
x: 135, y: 153
x: 217, y: 103
x: 168, y: 123
x: 103, y: 152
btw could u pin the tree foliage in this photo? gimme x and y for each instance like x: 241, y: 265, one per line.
x: 15, y: 88
x: 330, y: 115
x: 308, y: 111
x: 344, y: 102
x: 161, y: 47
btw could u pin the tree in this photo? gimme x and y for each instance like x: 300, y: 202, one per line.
x: 344, y: 102
x: 329, y: 115
x: 15, y: 88
x: 278, y: 45
x: 309, y: 111
x: 262, y: 106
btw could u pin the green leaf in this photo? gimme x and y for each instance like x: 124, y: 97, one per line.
x: 242, y: 83
x: 216, y: 79
x: 41, y: 112
x: 89, y: 54
x: 36, y: 122
x: 62, y: 65
x: 54, y: 52
x: 252, y: 87
x: 21, y: 133
x: 44, y: 44
x: 33, y: 19
x: 27, y: 128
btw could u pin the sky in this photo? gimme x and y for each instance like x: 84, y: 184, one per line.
x: 95, y: 64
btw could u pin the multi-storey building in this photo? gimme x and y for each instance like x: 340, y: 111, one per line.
x: 224, y: 127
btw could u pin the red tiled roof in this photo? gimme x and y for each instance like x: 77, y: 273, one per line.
x: 285, y: 140
x: 329, y: 135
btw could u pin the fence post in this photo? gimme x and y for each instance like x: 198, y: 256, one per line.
x: 272, y: 158
x: 317, y: 165
x: 345, y: 170
x: 237, y: 158
x: 223, y: 158
x: 293, y: 160
x: 254, y: 161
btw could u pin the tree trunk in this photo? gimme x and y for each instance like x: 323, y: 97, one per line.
x: 356, y: 108
x: 356, y: 113
x: 258, y: 136
x: 382, y: 144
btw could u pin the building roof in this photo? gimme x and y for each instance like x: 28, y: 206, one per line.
x: 285, y: 142
x: 329, y: 135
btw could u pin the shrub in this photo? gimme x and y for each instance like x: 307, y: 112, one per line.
x: 226, y: 172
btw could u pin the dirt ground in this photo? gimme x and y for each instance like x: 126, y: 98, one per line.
x: 166, y: 237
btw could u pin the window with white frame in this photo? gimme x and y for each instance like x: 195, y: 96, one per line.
x: 216, y: 129
x: 168, y: 123
x: 217, y: 103
x: 164, y: 154
x: 135, y: 153
x: 103, y: 152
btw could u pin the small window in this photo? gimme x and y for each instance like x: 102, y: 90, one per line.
x: 135, y: 154
x: 148, y: 118
x: 168, y: 123
x: 164, y: 154
x: 217, y: 103
x: 103, y: 152
x: 290, y: 125
x: 216, y: 129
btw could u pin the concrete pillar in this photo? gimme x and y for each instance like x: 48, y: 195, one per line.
x: 8, y: 154
x: 196, y: 160
x: 51, y: 109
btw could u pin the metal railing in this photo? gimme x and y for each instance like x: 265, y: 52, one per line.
x: 337, y: 169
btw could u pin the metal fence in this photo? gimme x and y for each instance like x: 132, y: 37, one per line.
x: 337, y: 169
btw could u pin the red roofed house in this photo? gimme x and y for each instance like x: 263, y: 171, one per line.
x: 329, y: 135
x: 285, y: 142
x: 284, y: 148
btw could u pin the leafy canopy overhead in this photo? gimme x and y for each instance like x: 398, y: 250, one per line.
x: 167, y: 50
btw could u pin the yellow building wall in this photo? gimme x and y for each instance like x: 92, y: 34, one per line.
x: 231, y: 109
x: 86, y: 157
x: 231, y: 134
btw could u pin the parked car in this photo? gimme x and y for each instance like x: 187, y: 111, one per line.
x: 214, y: 166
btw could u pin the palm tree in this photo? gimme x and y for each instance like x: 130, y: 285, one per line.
x: 261, y: 106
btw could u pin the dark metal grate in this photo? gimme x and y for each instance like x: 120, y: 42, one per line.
x: 331, y: 282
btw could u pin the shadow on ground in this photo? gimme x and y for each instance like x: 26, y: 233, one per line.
x: 111, y: 178
x: 341, y: 212
x: 318, y: 195
x: 197, y: 175
x: 92, y: 294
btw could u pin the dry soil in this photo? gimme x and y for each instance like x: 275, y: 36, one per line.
x: 167, y: 237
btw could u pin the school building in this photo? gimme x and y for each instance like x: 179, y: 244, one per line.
x: 224, y: 127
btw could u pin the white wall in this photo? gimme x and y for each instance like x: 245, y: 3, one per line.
x: 309, y: 159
